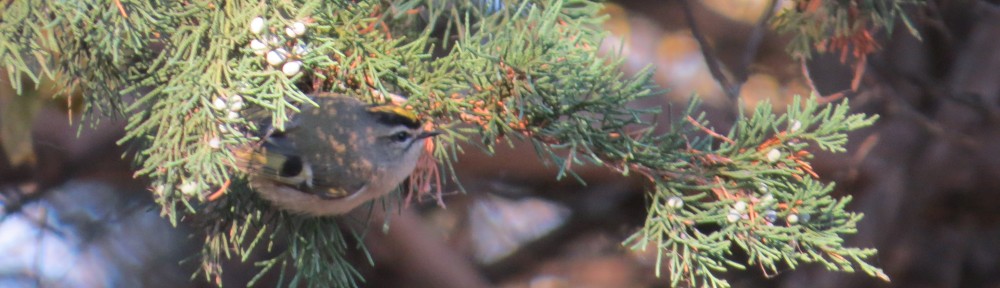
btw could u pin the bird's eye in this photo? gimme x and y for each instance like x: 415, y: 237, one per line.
x: 401, y: 136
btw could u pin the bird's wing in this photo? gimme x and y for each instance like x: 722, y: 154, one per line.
x: 277, y: 164
x: 340, y: 182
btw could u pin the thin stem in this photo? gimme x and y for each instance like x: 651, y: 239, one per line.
x: 732, y: 91
x: 756, y: 38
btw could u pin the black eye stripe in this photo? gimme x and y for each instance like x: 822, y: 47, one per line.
x: 400, y: 136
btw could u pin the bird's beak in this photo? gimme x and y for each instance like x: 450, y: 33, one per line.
x: 429, y: 134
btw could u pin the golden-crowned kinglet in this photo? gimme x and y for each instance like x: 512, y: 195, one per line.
x: 335, y: 157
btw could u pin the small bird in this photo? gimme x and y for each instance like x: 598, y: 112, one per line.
x: 336, y: 156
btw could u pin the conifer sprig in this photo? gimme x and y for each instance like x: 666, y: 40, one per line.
x: 756, y: 192
x: 195, y: 78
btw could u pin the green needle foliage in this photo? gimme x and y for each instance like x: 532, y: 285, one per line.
x: 196, y: 78
x: 840, y: 26
x: 755, y: 192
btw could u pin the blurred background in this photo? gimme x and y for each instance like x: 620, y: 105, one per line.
x: 927, y: 175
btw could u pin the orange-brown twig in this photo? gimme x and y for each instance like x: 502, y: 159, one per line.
x: 823, y: 99
x: 218, y: 193
x: 709, y: 131
x: 121, y: 8
x: 427, y: 171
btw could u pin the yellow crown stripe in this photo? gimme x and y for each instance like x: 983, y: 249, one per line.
x: 393, y: 109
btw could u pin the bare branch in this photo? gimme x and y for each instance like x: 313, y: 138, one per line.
x: 732, y: 91
x: 756, y: 38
